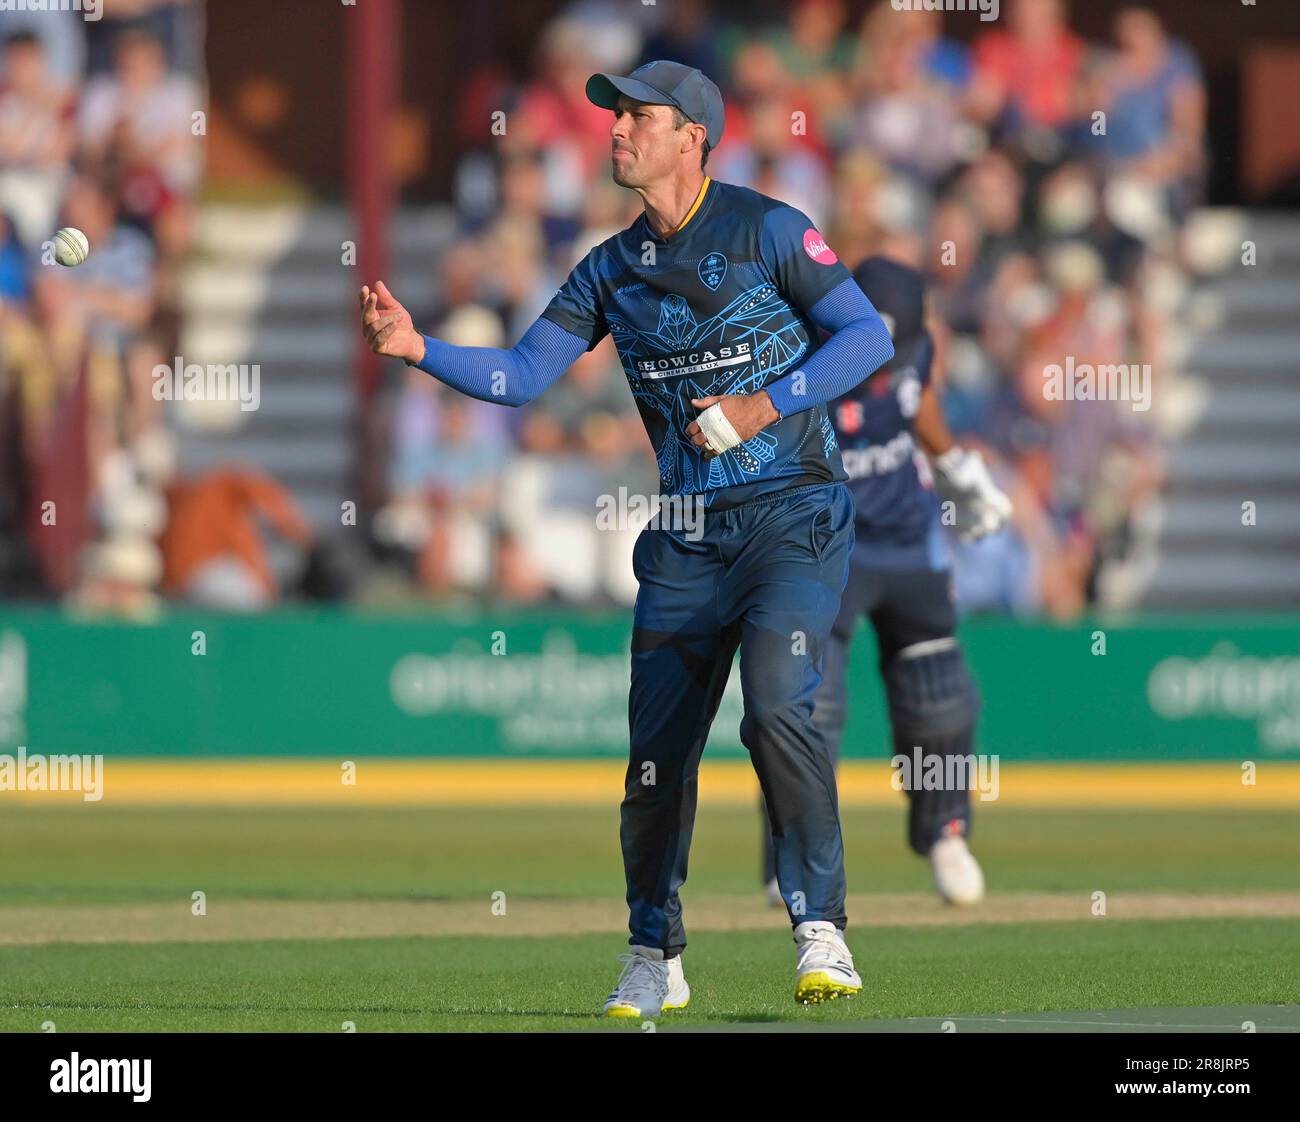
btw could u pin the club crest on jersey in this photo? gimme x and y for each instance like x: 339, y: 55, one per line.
x: 712, y: 269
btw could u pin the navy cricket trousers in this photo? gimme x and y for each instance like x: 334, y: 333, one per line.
x: 906, y: 607
x: 766, y: 577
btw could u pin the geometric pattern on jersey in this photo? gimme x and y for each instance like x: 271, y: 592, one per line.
x: 757, y: 325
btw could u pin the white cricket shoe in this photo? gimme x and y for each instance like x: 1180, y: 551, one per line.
x: 957, y: 875
x: 774, y: 899
x: 649, y: 985
x: 825, y: 968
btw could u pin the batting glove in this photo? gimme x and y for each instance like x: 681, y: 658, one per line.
x: 982, y: 506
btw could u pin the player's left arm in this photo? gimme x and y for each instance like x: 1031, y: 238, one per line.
x: 817, y: 284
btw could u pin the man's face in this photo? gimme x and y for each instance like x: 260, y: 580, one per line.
x: 645, y: 146
x: 25, y: 65
x: 141, y: 61
x: 90, y: 211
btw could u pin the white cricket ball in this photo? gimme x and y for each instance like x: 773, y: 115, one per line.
x: 70, y: 246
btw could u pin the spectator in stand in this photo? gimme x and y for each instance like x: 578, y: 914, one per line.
x: 112, y: 293
x: 996, y: 575
x: 555, y: 118
x: 813, y: 45
x: 417, y: 459
x: 1087, y: 447
x: 757, y: 76
x: 688, y: 35
x: 135, y: 125
x: 902, y: 114
x: 588, y: 414
x: 818, y: 55
x: 1027, y: 77
x: 15, y: 266
x: 446, y: 460
x: 177, y: 24
x: 36, y: 139
x: 975, y: 226
x: 855, y: 228
x: 524, y: 197
x: 62, y: 35
x: 521, y: 281
x: 774, y: 161
x: 945, y: 61
x: 1070, y: 209
x: 1154, y: 97
x: 460, y: 278
x: 458, y: 481
x: 956, y: 239
x: 213, y: 552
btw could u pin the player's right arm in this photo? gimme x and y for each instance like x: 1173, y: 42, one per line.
x: 512, y: 376
x: 931, y: 426
x: 962, y: 476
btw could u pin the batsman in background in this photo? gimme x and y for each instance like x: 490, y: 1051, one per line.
x: 714, y: 297
x: 900, y: 576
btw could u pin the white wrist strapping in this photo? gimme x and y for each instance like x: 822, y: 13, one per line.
x: 719, y: 433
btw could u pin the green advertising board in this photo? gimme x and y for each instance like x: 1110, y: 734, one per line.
x: 539, y: 685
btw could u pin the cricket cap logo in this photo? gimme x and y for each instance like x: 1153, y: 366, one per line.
x: 676, y: 323
x: 712, y: 269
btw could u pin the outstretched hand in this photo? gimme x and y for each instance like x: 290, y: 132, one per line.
x: 388, y: 326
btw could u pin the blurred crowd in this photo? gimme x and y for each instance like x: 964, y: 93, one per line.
x: 1038, y: 179
x: 100, y: 129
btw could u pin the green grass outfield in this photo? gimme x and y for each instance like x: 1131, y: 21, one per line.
x: 384, y: 918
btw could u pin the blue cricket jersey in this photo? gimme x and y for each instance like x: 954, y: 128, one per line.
x: 897, y: 521
x: 720, y: 306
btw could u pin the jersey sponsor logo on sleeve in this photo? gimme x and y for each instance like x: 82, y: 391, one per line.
x: 849, y: 416
x: 815, y: 246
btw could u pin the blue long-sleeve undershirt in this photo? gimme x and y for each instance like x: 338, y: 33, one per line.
x: 859, y: 344
x: 506, y: 377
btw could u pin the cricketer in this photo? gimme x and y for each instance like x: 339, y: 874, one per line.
x: 735, y: 324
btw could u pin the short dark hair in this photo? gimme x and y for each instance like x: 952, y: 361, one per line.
x: 23, y: 38
x: 680, y: 119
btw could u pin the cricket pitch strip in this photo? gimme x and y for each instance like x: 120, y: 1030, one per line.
x: 231, y: 920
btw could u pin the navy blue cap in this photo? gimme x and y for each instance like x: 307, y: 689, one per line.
x: 664, y: 83
x: 898, y: 294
